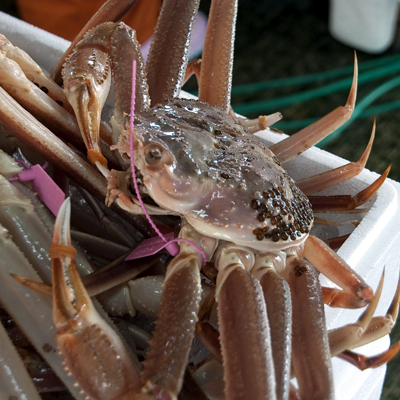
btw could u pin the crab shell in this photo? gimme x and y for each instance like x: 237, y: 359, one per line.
x: 198, y: 162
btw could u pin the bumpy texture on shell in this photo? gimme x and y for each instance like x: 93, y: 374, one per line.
x: 226, y: 182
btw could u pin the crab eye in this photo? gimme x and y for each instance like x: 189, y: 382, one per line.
x: 154, y: 154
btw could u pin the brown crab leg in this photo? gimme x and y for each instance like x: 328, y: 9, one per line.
x: 346, y: 202
x: 81, y: 332
x: 18, y: 121
x: 367, y: 328
x: 301, y: 141
x: 216, y: 68
x: 363, y: 362
x: 356, y: 293
x: 310, y: 347
x: 56, y: 117
x: 87, y: 80
x: 279, y: 308
x: 166, y: 65
x: 243, y: 319
x: 111, y: 10
x: 166, y: 359
x: 331, y: 178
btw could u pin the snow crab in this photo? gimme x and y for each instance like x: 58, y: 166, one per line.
x: 236, y: 201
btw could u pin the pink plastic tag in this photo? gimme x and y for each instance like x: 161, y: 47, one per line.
x: 149, y: 247
x: 44, y: 186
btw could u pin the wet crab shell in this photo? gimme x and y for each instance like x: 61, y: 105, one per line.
x: 197, y: 161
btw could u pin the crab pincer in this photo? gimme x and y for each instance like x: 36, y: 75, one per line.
x: 93, y: 352
x: 87, y: 79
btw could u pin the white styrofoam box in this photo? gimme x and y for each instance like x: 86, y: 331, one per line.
x: 367, y: 25
x: 373, y: 245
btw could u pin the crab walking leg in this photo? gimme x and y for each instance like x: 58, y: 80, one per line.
x: 15, y: 383
x: 243, y: 320
x: 301, y: 141
x: 166, y: 359
x: 368, y: 328
x: 87, y: 79
x: 342, y: 203
x: 31, y: 311
x: 216, y: 66
x: 92, y: 350
x: 166, y: 64
x: 19, y: 122
x: 279, y: 308
x: 331, y: 178
x: 111, y: 10
x: 33, y: 72
x: 356, y: 293
x: 310, y: 347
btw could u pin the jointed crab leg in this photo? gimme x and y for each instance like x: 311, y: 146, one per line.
x: 310, y: 347
x: 216, y: 75
x: 279, y: 308
x: 331, y: 178
x: 243, y: 319
x: 166, y: 360
x: 166, y: 64
x: 301, y: 141
x: 87, y: 83
x: 111, y: 10
x: 356, y: 293
x: 81, y: 332
x: 18, y: 121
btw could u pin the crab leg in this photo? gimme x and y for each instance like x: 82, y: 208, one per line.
x: 81, y: 332
x: 243, y: 319
x: 87, y: 79
x: 18, y: 121
x: 166, y: 359
x: 301, y: 141
x: 216, y: 76
x: 111, y: 10
x: 310, y: 347
x: 368, y: 328
x: 166, y: 65
x: 356, y: 293
x: 56, y: 117
x: 331, y: 178
x: 14, y: 379
x: 279, y: 308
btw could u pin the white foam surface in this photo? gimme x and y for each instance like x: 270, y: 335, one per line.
x: 373, y: 245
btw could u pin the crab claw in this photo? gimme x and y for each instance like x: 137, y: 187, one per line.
x: 93, y: 352
x: 87, y: 80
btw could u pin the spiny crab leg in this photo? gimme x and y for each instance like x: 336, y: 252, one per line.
x: 356, y: 293
x: 342, y: 203
x: 166, y: 359
x: 111, y: 10
x: 166, y: 65
x: 310, y: 347
x: 18, y: 121
x: 81, y: 332
x: 87, y: 82
x: 243, y: 319
x: 216, y: 76
x: 335, y: 176
x: 301, y: 141
x: 279, y: 308
x: 56, y: 115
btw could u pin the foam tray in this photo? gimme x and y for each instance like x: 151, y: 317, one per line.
x: 373, y: 245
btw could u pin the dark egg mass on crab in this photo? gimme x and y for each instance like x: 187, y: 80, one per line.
x: 198, y: 162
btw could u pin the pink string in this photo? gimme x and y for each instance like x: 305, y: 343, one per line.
x: 168, y: 244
